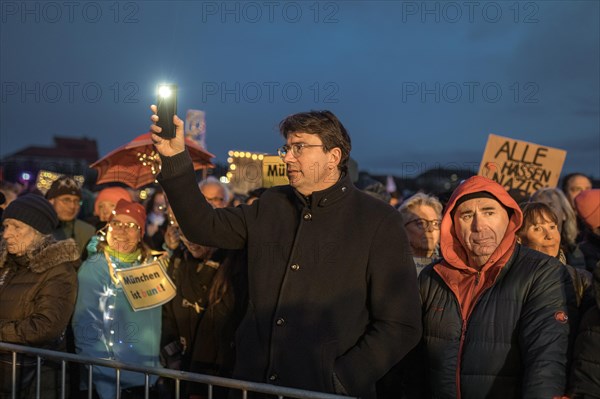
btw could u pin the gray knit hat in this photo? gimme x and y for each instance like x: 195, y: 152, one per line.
x: 34, y: 210
x: 62, y: 186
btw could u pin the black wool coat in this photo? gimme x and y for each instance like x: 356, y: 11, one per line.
x: 332, y: 284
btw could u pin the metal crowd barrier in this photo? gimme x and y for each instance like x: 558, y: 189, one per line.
x: 211, y: 381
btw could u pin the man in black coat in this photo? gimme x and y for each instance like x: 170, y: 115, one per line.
x: 333, y: 301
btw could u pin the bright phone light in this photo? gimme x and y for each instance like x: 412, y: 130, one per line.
x: 164, y: 91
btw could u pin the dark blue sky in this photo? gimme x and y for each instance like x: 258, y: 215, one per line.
x: 417, y: 84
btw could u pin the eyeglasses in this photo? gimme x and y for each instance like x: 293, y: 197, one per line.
x: 129, y: 226
x: 295, y: 148
x: 424, y: 224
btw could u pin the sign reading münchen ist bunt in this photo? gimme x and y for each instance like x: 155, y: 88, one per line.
x: 146, y: 286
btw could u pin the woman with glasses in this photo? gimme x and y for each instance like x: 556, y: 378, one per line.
x: 104, y: 323
x: 422, y: 215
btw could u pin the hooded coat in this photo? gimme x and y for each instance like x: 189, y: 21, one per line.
x: 37, y: 298
x: 500, y: 331
x: 332, y: 285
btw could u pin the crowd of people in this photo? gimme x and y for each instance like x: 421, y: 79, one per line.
x: 316, y: 285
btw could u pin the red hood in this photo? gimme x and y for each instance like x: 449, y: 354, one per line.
x: 452, y: 250
x: 468, y: 283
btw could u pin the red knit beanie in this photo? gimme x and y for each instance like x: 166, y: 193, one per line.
x: 131, y: 209
x: 588, y: 207
x: 112, y: 194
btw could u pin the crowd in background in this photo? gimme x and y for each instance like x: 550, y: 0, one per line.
x: 51, y: 240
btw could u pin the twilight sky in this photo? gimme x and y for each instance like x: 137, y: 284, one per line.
x: 417, y: 84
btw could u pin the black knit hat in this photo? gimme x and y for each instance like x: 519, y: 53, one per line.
x: 64, y: 185
x: 34, y: 210
x: 479, y: 194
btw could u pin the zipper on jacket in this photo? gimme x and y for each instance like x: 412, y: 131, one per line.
x: 463, y: 335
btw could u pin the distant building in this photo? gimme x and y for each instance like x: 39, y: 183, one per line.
x: 69, y: 155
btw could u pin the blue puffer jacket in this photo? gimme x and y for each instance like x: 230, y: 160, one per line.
x: 106, y: 327
x: 516, y: 339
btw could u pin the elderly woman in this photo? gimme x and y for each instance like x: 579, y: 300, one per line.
x: 422, y: 215
x: 540, y: 232
x: 38, y: 286
x: 104, y: 323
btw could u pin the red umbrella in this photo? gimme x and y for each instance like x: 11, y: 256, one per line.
x: 137, y: 163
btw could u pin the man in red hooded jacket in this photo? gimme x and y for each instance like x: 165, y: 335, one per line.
x: 495, y: 314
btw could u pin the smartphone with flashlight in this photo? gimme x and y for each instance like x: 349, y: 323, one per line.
x: 166, y: 109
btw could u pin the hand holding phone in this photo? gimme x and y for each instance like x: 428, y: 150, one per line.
x: 166, y: 109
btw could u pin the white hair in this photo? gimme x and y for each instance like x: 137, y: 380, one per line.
x: 211, y: 180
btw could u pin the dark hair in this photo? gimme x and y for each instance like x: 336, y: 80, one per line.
x: 560, y: 205
x: 534, y: 212
x: 152, y: 200
x: 567, y: 178
x: 325, y: 125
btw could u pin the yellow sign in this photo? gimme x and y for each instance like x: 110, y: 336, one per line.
x: 274, y: 171
x: 146, y: 286
x: 521, y: 166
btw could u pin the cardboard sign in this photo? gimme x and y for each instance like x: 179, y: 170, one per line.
x: 274, y: 171
x: 521, y: 166
x: 146, y: 286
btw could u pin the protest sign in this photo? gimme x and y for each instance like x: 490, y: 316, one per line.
x: 274, y: 171
x: 520, y: 166
x: 146, y: 286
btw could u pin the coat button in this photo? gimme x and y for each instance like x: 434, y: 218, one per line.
x: 295, y: 267
x: 307, y: 216
x: 273, y: 377
x: 280, y: 321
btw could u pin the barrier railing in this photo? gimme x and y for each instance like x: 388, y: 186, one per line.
x: 177, y: 376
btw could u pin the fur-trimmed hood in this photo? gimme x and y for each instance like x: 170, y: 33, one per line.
x: 46, y: 254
